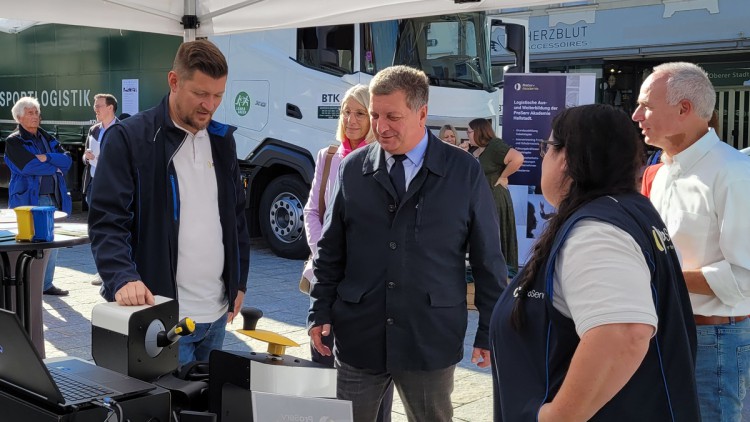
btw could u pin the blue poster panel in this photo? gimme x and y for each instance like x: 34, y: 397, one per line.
x: 530, y: 103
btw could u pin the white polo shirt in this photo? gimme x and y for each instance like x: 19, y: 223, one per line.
x: 200, y: 253
x: 601, y: 277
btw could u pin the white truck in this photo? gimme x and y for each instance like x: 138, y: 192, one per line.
x: 285, y: 87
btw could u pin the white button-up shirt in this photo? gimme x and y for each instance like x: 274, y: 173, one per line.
x: 703, y: 196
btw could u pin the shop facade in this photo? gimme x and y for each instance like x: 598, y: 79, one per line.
x: 621, y: 41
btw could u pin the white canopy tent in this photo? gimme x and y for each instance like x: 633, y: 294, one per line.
x: 200, y: 18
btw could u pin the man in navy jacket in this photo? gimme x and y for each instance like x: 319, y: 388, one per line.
x: 167, y: 210
x: 391, y: 261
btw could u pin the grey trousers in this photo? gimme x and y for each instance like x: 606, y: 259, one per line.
x: 426, y: 394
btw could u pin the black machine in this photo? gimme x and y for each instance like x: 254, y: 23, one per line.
x: 60, y: 388
x: 134, y: 340
x: 235, y: 376
x: 138, y: 379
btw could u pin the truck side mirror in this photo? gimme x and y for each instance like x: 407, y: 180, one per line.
x: 515, y: 43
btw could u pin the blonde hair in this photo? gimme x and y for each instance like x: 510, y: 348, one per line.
x: 360, y: 94
x: 446, y: 128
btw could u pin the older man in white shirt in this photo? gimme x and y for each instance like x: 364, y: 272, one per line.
x: 703, y: 194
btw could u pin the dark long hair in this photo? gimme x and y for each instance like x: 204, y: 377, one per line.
x: 603, y: 155
x: 483, y: 132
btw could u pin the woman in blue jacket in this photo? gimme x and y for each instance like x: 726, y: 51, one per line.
x: 598, y: 325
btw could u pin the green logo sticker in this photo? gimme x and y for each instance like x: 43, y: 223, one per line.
x: 242, y: 103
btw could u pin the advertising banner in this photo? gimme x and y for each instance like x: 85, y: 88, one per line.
x: 530, y: 103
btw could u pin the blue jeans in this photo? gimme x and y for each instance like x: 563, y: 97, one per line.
x: 49, y: 272
x: 206, y: 337
x: 723, y: 370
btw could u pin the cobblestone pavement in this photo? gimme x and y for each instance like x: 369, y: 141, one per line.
x: 272, y: 287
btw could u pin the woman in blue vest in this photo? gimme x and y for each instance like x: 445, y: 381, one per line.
x: 598, y: 324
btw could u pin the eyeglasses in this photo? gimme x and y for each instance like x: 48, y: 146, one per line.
x: 98, y: 106
x: 356, y: 114
x: 544, y: 145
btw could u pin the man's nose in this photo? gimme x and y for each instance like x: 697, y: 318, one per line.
x: 212, y: 104
x: 381, y: 126
x: 637, y: 115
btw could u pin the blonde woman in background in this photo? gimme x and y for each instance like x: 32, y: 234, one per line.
x: 448, y: 134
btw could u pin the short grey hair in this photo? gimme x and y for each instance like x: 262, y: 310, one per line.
x: 687, y: 81
x: 360, y: 94
x: 413, y: 82
x: 21, y: 105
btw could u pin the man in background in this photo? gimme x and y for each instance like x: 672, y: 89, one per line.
x: 37, y: 166
x: 105, y: 106
x: 701, y: 192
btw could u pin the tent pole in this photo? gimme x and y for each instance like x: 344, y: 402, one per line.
x: 190, y: 21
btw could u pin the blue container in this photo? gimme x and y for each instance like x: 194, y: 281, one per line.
x: 44, y: 223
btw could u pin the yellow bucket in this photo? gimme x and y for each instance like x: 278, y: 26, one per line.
x: 25, y: 223
x: 35, y: 223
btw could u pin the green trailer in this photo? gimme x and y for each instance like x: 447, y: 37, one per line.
x: 64, y: 66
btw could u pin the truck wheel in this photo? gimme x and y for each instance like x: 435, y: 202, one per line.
x: 281, y: 218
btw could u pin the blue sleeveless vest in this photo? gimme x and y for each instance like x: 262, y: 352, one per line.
x: 529, y: 365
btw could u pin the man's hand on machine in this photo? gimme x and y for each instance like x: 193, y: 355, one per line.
x: 134, y: 293
x: 316, y: 334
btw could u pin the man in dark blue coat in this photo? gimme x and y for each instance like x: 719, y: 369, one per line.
x: 390, y: 266
x: 167, y: 211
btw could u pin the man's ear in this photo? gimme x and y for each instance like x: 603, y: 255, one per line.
x: 423, y: 115
x: 686, y: 107
x: 173, y: 79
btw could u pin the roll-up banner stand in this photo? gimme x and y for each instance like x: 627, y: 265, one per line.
x: 530, y: 102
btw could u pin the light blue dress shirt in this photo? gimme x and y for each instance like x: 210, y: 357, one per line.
x: 413, y: 162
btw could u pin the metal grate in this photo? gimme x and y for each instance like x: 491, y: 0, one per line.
x: 733, y: 105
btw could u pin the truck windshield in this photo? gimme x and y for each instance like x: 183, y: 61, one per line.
x: 450, y: 49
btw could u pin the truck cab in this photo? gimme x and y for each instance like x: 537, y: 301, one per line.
x: 285, y: 86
